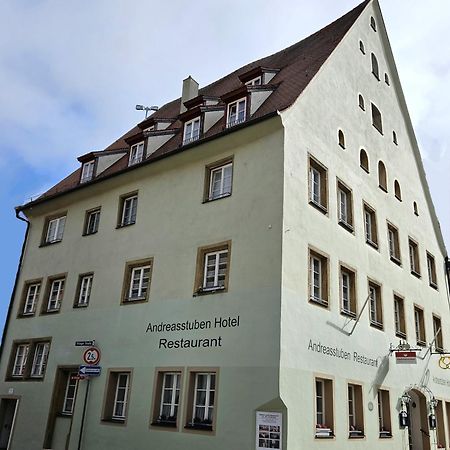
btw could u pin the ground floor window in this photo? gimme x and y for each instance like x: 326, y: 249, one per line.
x: 384, y: 414
x: 117, y: 396
x: 324, y: 408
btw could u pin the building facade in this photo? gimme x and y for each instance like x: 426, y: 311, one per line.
x: 245, y: 259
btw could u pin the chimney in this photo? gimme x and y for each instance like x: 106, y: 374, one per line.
x: 190, y: 90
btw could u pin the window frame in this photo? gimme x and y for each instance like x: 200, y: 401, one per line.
x: 209, y: 171
x: 375, y: 305
x: 439, y: 342
x: 364, y: 158
x: 370, y: 227
x: 351, y: 311
x: 137, y: 153
x: 22, y: 313
x: 45, y: 309
x: 130, y: 268
x: 87, y: 220
x: 66, y: 397
x: 384, y: 414
x: 316, y: 256
x: 327, y: 406
x: 318, y: 200
x: 89, y: 167
x: 58, y: 234
x: 377, y: 118
x: 121, y: 223
x: 399, y: 316
x: 229, y: 123
x: 355, y: 411
x: 414, y: 257
x: 431, y: 270
x: 347, y: 222
x: 110, y: 396
x: 394, y: 244
x: 78, y: 293
x: 382, y: 176
x: 375, y: 66
x: 419, y: 326
x: 192, y: 122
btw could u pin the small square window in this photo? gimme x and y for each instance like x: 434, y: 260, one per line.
x: 87, y: 171
x: 419, y: 321
x: 117, y: 396
x: 212, y: 269
x: 91, y: 222
x: 370, y: 226
x: 54, y: 230
x: 136, y: 153
x: 84, y: 288
x: 394, y: 244
x: 375, y: 305
x: 414, y: 262
x: 137, y: 282
x: 324, y: 408
x: 30, y: 298
x: 318, y: 278
x: 128, y: 210
x: 384, y: 414
x: 348, y: 291
x: 167, y: 399
x: 236, y: 112
x: 54, y: 294
x: 318, y: 185
x: 345, y: 206
x: 191, y: 131
x: 355, y: 411
x: 218, y: 180
x: 399, y: 317
x: 431, y: 267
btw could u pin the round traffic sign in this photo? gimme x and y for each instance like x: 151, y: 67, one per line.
x: 91, y: 355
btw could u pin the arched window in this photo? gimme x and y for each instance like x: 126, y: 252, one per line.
x: 364, y: 160
x: 394, y: 138
x: 377, y: 121
x: 373, y: 24
x: 397, y: 190
x: 361, y: 102
x: 382, y: 176
x: 341, y: 138
x: 375, y: 69
x: 361, y: 47
x: 386, y: 79
x: 416, y: 209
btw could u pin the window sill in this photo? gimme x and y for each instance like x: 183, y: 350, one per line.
x: 416, y: 274
x: 198, y: 426
x: 219, y: 197
x: 323, y: 209
x: 124, y: 225
x: 206, y: 291
x: 128, y: 301
x: 372, y: 244
x: 365, y: 169
x: 398, y: 198
x: 385, y: 435
x: 421, y: 343
x: 25, y: 315
x: 319, y: 302
x: 50, y: 312
x: 379, y: 131
x: 342, y: 146
x: 383, y: 188
x: 347, y: 226
x: 114, y: 421
x: 64, y: 414
x: 396, y: 260
x: 356, y: 434
x: 377, y: 325
x: 434, y: 285
x: 76, y: 306
x: 164, y: 424
x: 400, y: 334
x: 90, y: 234
x: 347, y: 313
x: 23, y: 379
x: 47, y: 244
x: 376, y: 76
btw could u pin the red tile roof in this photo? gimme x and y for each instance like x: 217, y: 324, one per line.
x: 297, y: 64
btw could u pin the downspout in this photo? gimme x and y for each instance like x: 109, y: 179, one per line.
x: 19, y: 267
x: 447, y: 271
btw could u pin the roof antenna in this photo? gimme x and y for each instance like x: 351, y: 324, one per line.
x: 146, y: 109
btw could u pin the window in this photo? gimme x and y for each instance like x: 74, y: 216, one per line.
x: 191, y: 131
x: 373, y: 24
x: 318, y: 189
x: 361, y: 47
x: 28, y: 360
x: 415, y: 208
x: 375, y: 69
x: 55, y: 293
x: 87, y: 171
x: 397, y: 191
x: 364, y: 160
x: 384, y: 414
x: 437, y: 334
x: 254, y: 82
x: 341, y: 139
x: 167, y: 398
x: 54, y: 230
x: 370, y: 226
x: 348, y: 291
x: 394, y: 244
x: 394, y: 138
x: 382, y: 176
x: 136, y: 153
x: 419, y: 321
x: 70, y: 393
x: 84, y: 290
x: 431, y: 266
x: 30, y: 298
x: 128, y: 210
x: 236, y: 112
x: 201, y: 404
x: 361, y: 102
x: 40, y: 359
x: 212, y: 269
x: 414, y: 262
x: 386, y: 79
x: 376, y: 119
x: 345, y: 206
x: 117, y: 396
x: 375, y: 305
x: 20, y: 360
x: 91, y: 221
x: 399, y: 317
x: 318, y: 278
x: 324, y: 408
x: 218, y: 180
x: 355, y: 411
x: 137, y: 281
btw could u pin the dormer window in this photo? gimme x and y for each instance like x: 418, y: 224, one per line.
x: 191, y: 131
x: 136, y: 153
x: 254, y: 82
x: 87, y: 171
x: 236, y: 112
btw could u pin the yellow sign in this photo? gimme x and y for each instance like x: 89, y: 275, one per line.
x: 444, y: 362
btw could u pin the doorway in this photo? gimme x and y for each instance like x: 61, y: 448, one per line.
x: 8, y: 411
x: 418, y: 431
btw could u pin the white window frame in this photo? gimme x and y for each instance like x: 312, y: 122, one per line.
x: 320, y: 399
x: 346, y: 287
x: 55, y: 230
x: 141, y: 294
x: 85, y: 290
x: 257, y: 81
x: 174, y: 388
x: 351, y: 407
x: 216, y: 255
x: 87, y: 171
x: 224, y: 190
x: 316, y: 186
x: 191, y: 133
x: 70, y: 394
x: 55, y: 296
x: 123, y: 402
x: 20, y: 360
x: 129, y: 219
x: 418, y: 313
x: 343, y: 206
x: 136, y: 153
x: 93, y: 217
x: 431, y: 268
x: 31, y: 298
x: 397, y: 315
x: 316, y: 276
x: 208, y: 390
x: 237, y: 120
x: 40, y: 359
x: 373, y: 306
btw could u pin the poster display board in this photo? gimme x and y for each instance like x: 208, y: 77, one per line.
x: 268, y: 430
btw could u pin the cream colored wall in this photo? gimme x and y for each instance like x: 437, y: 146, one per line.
x: 330, y: 103
x: 172, y: 223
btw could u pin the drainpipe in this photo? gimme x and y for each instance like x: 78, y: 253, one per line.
x: 19, y: 267
x: 447, y: 271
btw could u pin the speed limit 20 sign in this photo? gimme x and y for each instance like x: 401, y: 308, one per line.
x: 91, y: 355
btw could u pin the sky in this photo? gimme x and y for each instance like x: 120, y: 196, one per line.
x: 72, y: 72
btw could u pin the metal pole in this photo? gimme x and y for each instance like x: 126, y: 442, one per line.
x: 84, y: 413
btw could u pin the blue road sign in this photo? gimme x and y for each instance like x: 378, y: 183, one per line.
x: 89, y: 371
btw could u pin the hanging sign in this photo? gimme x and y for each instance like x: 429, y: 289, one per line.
x: 405, y: 357
x: 268, y: 430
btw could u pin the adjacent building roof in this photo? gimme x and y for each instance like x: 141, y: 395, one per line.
x: 296, y: 66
